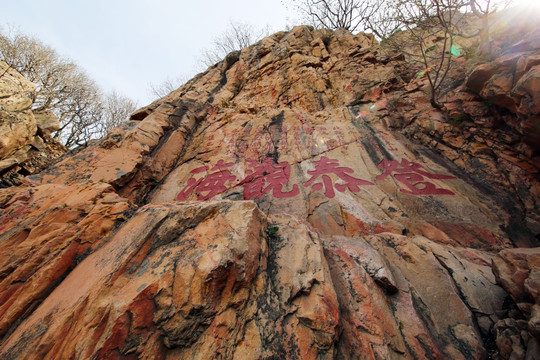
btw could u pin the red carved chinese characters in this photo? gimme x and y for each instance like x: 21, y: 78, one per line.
x: 326, y: 166
x: 273, y: 177
x: 267, y: 172
x: 209, y: 186
x: 411, y: 175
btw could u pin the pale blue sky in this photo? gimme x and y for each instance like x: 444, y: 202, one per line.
x: 125, y: 45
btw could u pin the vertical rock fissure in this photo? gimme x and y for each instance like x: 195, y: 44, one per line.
x: 487, y: 339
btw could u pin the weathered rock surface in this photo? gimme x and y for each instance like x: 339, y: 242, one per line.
x: 25, y: 144
x: 518, y: 272
x: 299, y: 200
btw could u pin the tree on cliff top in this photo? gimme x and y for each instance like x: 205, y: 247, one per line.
x: 383, y: 17
x: 116, y: 109
x: 237, y: 37
x: 353, y: 15
x: 166, y: 87
x: 431, y: 25
x: 63, y: 88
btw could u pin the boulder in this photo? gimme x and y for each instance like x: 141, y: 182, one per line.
x: 25, y: 145
x: 518, y: 272
x: 512, y: 268
x: 17, y: 125
x: 46, y: 122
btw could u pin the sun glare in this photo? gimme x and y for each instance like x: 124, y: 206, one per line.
x: 526, y: 12
x: 533, y: 5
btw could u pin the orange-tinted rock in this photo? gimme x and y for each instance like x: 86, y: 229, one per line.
x: 368, y: 322
x: 299, y: 200
x: 46, y: 231
x: 478, y: 78
x: 512, y: 268
x: 168, y: 273
x: 433, y: 295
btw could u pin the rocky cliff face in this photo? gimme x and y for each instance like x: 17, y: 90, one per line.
x: 25, y: 144
x: 299, y: 200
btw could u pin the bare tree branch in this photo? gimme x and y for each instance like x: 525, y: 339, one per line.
x: 238, y: 36
x: 167, y: 86
x: 61, y: 87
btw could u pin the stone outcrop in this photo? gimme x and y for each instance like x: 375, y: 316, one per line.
x: 490, y: 123
x: 518, y: 272
x: 25, y: 144
x: 298, y: 200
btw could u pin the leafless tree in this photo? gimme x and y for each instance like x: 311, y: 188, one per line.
x: 167, y: 86
x: 238, y: 36
x: 383, y: 21
x: 61, y: 87
x: 432, y: 26
x: 80, y: 118
x: 353, y: 15
x: 116, y: 110
x: 483, y: 9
